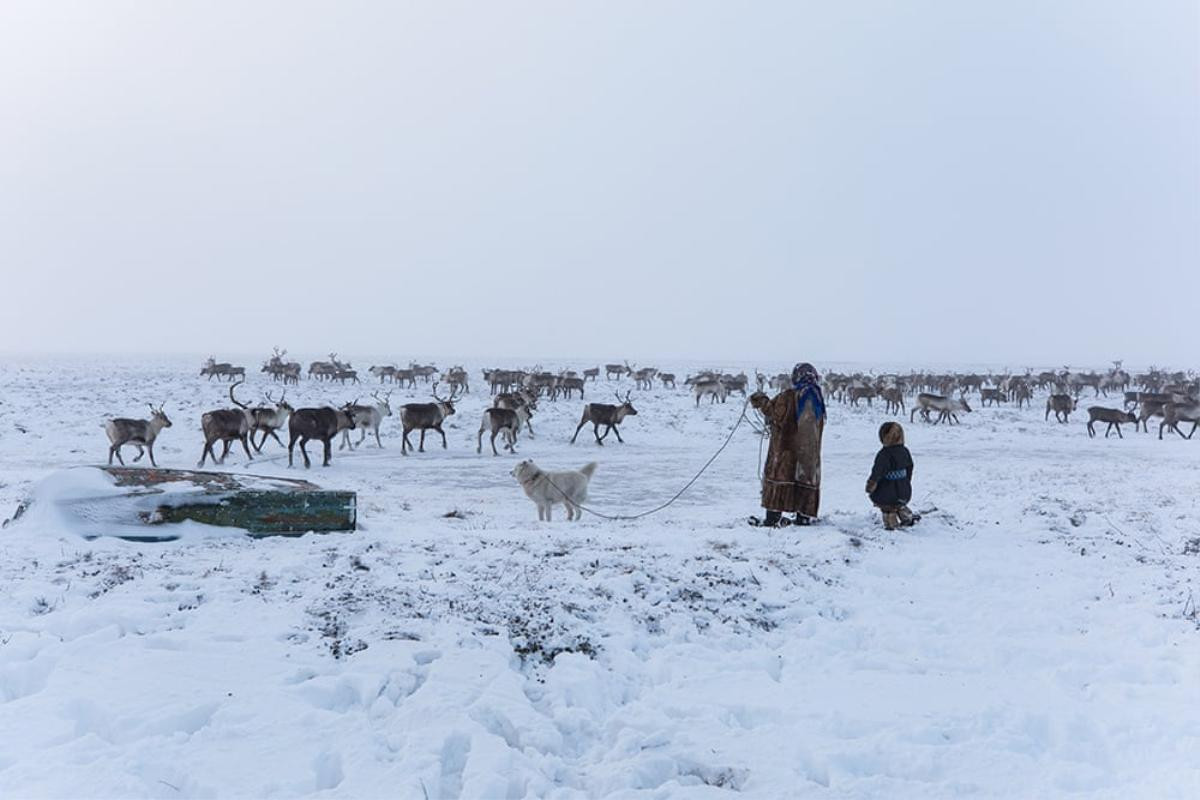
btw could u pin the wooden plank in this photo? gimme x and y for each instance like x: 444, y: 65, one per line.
x: 267, y: 512
x: 261, y: 505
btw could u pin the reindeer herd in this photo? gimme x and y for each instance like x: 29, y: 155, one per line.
x: 1171, y: 397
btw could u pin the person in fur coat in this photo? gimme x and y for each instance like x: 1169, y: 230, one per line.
x: 791, y: 481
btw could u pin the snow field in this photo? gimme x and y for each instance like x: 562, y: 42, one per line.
x: 1032, y: 637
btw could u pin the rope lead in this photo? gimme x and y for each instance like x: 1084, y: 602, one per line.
x: 677, y: 495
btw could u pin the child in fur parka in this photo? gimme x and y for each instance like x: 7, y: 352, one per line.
x: 890, y: 484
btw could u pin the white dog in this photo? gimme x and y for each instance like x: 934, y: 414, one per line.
x: 547, y: 488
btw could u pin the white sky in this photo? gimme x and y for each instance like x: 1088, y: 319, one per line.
x: 1015, y: 182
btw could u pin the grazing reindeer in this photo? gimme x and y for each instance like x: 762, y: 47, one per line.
x: 140, y: 433
x: 226, y: 425
x: 947, y: 408
x: 1062, y: 405
x: 713, y: 388
x: 893, y: 398
x: 322, y: 424
x: 212, y: 369
x: 989, y: 397
x: 425, y: 417
x: 608, y: 415
x: 366, y: 418
x: 668, y: 379
x: 502, y: 420
x: 591, y: 374
x: 1112, y: 416
x: 1174, y: 413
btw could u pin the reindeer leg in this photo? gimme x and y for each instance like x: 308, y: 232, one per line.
x: 115, y: 450
x: 246, y: 447
x: 141, y: 452
x: 378, y: 441
x: 617, y: 431
x: 578, y: 429
x: 405, y: 444
x: 596, y: 433
x: 304, y: 452
x: 494, y: 452
x: 150, y: 452
x: 328, y: 451
x: 479, y: 441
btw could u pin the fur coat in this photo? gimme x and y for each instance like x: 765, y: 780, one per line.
x: 792, y: 474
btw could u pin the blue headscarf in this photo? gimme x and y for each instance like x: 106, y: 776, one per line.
x: 807, y: 384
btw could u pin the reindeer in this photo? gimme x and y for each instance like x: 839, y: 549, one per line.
x: 322, y: 424
x: 268, y: 419
x: 502, y: 420
x: 1112, y: 416
x: 893, y: 398
x: 1174, y: 413
x: 1062, y: 405
x: 405, y: 377
x: 458, y: 379
x: 616, y: 369
x: 608, y: 415
x: 322, y: 370
x: 226, y: 425
x: 591, y: 374
x: 735, y: 383
x: 567, y: 386
x: 989, y: 397
x: 946, y: 407
x: 140, y: 433
x: 212, y: 369
x: 713, y: 388
x: 366, y: 418
x: 424, y: 417
x: 856, y: 393
x: 1148, y: 409
x: 668, y: 379
x: 423, y: 371
x: 1022, y: 394
x: 520, y: 399
x: 644, y: 377
x: 384, y: 373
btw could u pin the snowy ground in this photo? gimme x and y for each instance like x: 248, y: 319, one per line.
x: 1036, y: 636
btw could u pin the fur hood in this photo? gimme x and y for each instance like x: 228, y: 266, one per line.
x: 891, y: 433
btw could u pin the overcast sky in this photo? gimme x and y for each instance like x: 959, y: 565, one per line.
x: 1016, y: 182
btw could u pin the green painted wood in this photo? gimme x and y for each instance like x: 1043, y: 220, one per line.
x: 268, y: 512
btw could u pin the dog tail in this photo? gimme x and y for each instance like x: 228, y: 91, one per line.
x: 588, y: 469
